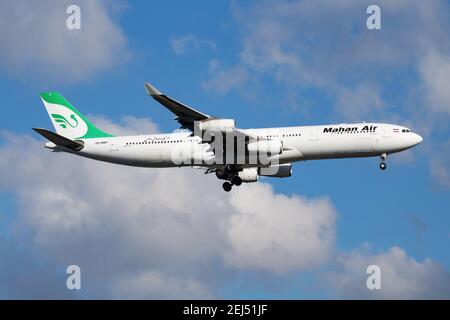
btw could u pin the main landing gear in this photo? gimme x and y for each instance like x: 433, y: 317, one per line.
x: 227, y: 186
x: 229, y: 173
x: 383, y: 157
x: 236, y: 180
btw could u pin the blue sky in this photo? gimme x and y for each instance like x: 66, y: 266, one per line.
x: 264, y: 64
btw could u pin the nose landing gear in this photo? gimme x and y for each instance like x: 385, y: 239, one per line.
x: 383, y: 157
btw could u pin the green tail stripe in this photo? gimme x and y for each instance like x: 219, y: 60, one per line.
x: 56, y: 98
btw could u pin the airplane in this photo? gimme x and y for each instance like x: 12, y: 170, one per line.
x: 217, y: 146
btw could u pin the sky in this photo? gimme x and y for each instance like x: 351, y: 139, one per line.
x: 173, y: 233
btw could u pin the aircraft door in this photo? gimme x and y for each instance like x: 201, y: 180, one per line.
x: 113, y: 145
x: 313, y: 137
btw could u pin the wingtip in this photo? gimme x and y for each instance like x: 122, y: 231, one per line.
x: 41, y: 130
x: 151, y: 90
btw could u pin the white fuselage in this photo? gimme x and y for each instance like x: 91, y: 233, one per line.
x: 299, y: 143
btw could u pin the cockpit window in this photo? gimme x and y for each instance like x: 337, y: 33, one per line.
x: 406, y: 130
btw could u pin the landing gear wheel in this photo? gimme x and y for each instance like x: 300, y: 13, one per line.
x: 237, y: 181
x: 220, y: 174
x: 227, y: 186
x: 383, y: 157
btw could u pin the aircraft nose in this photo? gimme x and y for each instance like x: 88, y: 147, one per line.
x: 417, y: 139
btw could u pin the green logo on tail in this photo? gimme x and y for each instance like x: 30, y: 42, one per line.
x: 63, y: 122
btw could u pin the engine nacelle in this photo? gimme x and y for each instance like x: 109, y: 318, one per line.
x: 249, y: 174
x: 268, y: 147
x: 278, y: 171
x: 222, y: 125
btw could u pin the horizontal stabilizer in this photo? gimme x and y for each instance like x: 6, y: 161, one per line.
x: 60, y: 140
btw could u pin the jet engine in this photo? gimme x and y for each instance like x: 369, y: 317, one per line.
x: 249, y: 175
x: 278, y: 171
x: 221, y: 125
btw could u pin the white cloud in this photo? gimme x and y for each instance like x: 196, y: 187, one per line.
x: 295, y: 230
x: 440, y: 165
x: 358, y: 103
x: 36, y: 42
x: 19, y: 268
x: 174, y: 230
x: 326, y: 46
x: 154, y: 285
x: 189, y: 43
x: 435, y: 71
x: 173, y: 233
x: 223, y: 81
x: 402, y: 277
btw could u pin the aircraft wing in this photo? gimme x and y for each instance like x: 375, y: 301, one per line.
x: 185, y: 115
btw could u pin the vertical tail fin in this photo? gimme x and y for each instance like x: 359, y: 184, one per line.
x: 67, y: 120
